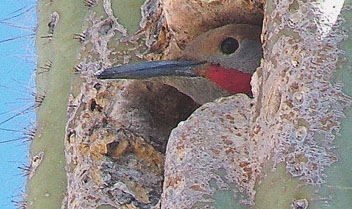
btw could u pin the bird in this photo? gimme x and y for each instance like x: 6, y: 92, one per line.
x: 219, y: 62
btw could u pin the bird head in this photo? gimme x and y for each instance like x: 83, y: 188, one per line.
x: 224, y: 57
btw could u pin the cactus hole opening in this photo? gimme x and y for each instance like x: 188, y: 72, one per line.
x: 154, y: 109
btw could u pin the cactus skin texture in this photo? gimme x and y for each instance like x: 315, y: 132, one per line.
x: 328, y: 183
x: 56, y: 57
x: 84, y: 36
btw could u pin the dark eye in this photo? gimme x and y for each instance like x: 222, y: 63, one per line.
x: 229, y: 45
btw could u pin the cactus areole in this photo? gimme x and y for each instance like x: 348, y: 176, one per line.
x: 227, y: 56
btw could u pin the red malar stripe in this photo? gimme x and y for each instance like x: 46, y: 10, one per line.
x: 234, y: 81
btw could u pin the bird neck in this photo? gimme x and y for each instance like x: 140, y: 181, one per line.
x: 232, y: 80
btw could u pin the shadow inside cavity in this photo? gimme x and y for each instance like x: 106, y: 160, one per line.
x: 152, y: 110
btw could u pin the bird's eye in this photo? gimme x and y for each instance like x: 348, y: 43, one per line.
x: 229, y: 45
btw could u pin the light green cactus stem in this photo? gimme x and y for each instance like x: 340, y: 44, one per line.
x: 47, y: 186
x: 339, y: 176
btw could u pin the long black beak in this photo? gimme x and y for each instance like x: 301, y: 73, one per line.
x: 151, y: 69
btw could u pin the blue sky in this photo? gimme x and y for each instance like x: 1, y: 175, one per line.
x: 17, y: 65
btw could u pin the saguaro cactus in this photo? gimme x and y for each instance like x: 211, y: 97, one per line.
x: 103, y: 144
x: 57, y: 22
